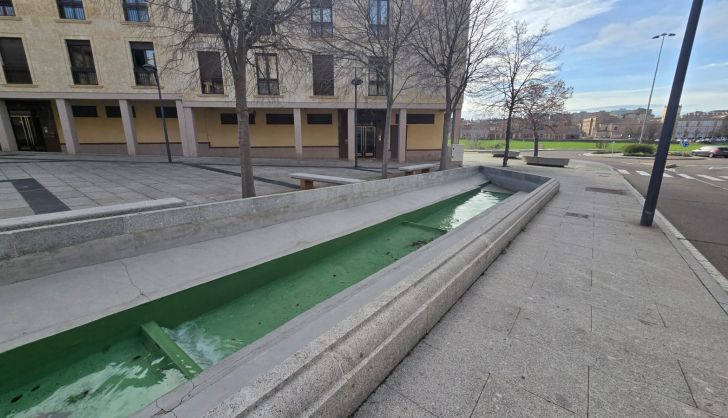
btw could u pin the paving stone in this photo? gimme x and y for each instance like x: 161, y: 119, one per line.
x: 709, y: 388
x: 385, y: 402
x: 501, y: 398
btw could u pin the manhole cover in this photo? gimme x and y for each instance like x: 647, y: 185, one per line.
x: 577, y: 215
x: 603, y: 190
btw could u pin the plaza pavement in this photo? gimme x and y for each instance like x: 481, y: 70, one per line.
x: 585, y: 314
x: 84, y: 181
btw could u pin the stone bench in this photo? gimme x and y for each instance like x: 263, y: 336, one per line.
x: 308, y: 179
x: 412, y: 169
x: 511, y: 154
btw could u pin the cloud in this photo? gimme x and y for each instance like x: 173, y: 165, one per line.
x: 558, y: 14
x: 693, y: 98
x: 715, y: 65
x: 636, y: 34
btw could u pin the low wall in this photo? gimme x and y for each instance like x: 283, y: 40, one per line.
x: 32, y: 252
x: 283, y: 375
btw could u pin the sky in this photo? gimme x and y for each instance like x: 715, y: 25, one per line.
x: 609, y: 57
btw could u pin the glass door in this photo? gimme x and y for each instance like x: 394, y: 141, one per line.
x: 25, y: 128
x: 365, y: 141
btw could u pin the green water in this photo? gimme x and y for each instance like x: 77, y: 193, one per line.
x: 209, y: 323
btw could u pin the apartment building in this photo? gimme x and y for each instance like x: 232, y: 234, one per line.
x: 73, y: 81
x: 697, y: 125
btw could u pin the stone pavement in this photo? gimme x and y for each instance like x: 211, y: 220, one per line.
x: 585, y: 314
x: 88, y: 181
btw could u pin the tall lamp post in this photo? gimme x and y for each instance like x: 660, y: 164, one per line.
x: 658, y: 168
x: 649, y: 102
x: 356, y: 82
x: 151, y: 69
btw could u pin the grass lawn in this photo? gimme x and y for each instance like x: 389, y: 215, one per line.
x: 523, y: 145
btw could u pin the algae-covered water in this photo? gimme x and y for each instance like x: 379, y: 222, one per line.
x: 127, y: 374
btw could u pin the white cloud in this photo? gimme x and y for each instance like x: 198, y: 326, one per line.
x: 558, y: 14
x: 715, y: 65
x: 693, y: 98
x: 636, y: 34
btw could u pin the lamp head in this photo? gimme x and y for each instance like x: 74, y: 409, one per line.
x: 356, y: 81
x: 150, y: 68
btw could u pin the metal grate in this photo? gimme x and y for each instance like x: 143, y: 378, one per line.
x: 602, y: 190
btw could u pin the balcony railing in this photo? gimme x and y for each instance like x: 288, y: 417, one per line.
x: 143, y: 78
x: 84, y: 77
x: 17, y: 75
x: 6, y: 9
x: 213, y: 86
x: 136, y: 12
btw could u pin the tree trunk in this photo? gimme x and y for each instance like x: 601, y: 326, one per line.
x: 535, y: 142
x: 241, y: 108
x: 509, y: 121
x: 385, y: 145
x: 443, y: 151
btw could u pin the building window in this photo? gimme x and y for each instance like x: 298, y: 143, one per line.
x: 142, y: 53
x: 321, y: 18
x: 323, y: 75
x: 84, y: 112
x: 6, y: 8
x: 15, y: 65
x: 279, y: 118
x: 136, y: 10
x: 266, y: 66
x: 82, y: 62
x: 71, y: 9
x: 263, y: 12
x: 377, y: 80
x: 210, y: 72
x: 379, y: 17
x: 232, y: 118
x: 170, y: 112
x: 420, y: 119
x: 319, y: 118
x: 113, y: 111
x: 203, y: 16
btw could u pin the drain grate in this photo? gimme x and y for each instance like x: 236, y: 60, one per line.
x: 603, y: 190
x: 577, y: 215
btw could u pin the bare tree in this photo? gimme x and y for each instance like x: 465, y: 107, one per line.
x: 248, y: 35
x: 541, y: 102
x: 376, y: 34
x: 525, y: 60
x: 455, y: 39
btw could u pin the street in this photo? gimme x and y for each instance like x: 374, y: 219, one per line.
x: 694, y: 198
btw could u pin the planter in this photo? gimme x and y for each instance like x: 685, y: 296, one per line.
x: 547, y: 161
x: 511, y: 154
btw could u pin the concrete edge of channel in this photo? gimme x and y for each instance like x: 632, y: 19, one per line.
x: 712, y: 279
x: 335, y: 373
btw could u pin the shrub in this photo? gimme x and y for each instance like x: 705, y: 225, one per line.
x: 639, y: 149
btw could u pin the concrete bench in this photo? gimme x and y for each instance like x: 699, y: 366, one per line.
x: 511, y: 154
x: 412, y: 169
x: 308, y: 179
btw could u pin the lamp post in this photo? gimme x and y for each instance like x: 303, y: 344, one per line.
x: 151, y: 69
x: 658, y: 168
x: 356, y: 82
x: 649, y: 102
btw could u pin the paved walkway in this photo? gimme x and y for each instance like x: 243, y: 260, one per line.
x: 77, y: 182
x: 585, y: 314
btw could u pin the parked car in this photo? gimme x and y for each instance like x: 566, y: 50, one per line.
x: 711, y: 152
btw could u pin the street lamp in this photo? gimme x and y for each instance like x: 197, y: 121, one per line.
x: 151, y: 69
x: 649, y: 102
x: 356, y: 82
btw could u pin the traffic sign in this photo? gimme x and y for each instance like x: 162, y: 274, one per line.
x: 685, y: 143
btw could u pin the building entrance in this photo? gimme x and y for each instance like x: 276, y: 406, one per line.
x: 33, y: 126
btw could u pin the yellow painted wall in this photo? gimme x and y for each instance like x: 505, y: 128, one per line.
x: 149, y: 126
x: 425, y: 136
x: 100, y: 130
x: 209, y: 129
x: 320, y: 135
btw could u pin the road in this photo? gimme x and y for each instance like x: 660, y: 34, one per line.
x: 694, y: 199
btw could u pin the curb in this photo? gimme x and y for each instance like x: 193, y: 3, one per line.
x: 712, y: 279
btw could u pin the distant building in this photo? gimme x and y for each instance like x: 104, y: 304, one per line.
x: 697, y: 125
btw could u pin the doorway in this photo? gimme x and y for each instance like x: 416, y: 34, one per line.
x: 33, y: 126
x: 366, y: 141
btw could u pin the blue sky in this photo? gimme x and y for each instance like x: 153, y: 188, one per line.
x: 610, y: 59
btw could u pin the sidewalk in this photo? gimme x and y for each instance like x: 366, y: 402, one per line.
x: 585, y: 314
